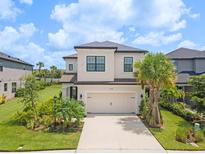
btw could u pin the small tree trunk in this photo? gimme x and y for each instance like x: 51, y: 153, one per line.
x: 154, y: 118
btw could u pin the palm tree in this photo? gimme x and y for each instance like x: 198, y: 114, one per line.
x: 53, y: 72
x: 40, y: 65
x: 156, y: 71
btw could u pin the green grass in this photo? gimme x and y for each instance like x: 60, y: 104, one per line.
x: 13, y: 136
x: 166, y: 136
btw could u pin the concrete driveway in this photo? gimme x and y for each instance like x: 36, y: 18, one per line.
x: 116, y: 133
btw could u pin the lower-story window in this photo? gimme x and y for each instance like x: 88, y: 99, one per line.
x: 1, y: 67
x: 13, y: 85
x: 5, y: 86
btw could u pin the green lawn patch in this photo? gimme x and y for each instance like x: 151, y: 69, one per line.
x: 167, y: 135
x: 13, y: 136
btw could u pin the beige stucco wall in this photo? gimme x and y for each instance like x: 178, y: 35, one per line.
x: 119, y: 64
x: 83, y: 75
x: 85, y: 89
x: 66, y: 89
x: 71, y: 61
x: 10, y: 75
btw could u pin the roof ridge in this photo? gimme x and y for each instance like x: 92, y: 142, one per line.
x: 110, y: 44
x: 186, y: 53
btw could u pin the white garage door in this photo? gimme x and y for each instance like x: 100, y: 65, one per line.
x: 111, y: 103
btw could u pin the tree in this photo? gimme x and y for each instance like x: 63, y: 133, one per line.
x: 30, y: 96
x: 45, y: 73
x: 198, y: 85
x: 53, y: 72
x: 40, y: 65
x: 198, y: 92
x: 156, y: 71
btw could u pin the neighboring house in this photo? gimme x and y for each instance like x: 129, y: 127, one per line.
x: 188, y: 62
x: 12, y: 70
x: 101, y: 75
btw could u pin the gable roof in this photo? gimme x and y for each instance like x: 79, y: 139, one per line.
x: 13, y: 59
x: 110, y: 45
x: 186, y: 53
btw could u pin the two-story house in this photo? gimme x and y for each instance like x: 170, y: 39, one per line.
x: 187, y: 62
x: 12, y: 71
x: 101, y: 74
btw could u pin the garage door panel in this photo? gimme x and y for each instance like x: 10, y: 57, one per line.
x: 111, y: 103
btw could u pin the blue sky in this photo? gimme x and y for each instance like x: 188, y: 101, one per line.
x: 46, y: 30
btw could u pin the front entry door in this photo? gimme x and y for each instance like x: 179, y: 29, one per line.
x: 74, y: 92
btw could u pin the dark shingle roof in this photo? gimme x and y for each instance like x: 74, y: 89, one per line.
x: 110, y: 45
x: 185, y: 53
x: 10, y: 58
x: 71, y: 56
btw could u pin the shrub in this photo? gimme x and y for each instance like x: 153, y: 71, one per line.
x: 144, y: 108
x: 45, y: 113
x: 45, y: 108
x: 46, y: 120
x: 40, y: 84
x: 25, y: 118
x: 20, y: 92
x: 182, y: 135
x: 2, y: 99
x: 199, y: 136
x: 180, y: 110
x: 188, y: 135
x: 198, y: 104
x: 69, y: 110
x: 171, y: 94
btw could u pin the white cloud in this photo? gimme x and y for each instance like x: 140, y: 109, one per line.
x: 187, y: 44
x: 168, y: 14
x: 9, y: 35
x: 18, y: 42
x: 8, y: 9
x: 157, y: 39
x: 27, y: 29
x: 29, y: 2
x: 100, y: 22
x: 89, y: 20
x: 59, y: 39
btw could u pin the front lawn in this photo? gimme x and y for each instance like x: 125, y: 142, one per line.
x: 166, y: 136
x: 14, y: 136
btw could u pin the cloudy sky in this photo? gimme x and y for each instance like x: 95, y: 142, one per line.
x: 46, y: 30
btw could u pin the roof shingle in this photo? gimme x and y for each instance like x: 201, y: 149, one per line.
x: 185, y: 53
x: 10, y: 58
x: 112, y: 45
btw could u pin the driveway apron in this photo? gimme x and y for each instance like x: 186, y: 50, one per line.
x: 116, y: 133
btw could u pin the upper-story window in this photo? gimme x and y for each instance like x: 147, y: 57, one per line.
x: 175, y: 64
x: 128, y: 64
x: 70, y: 67
x: 95, y: 63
